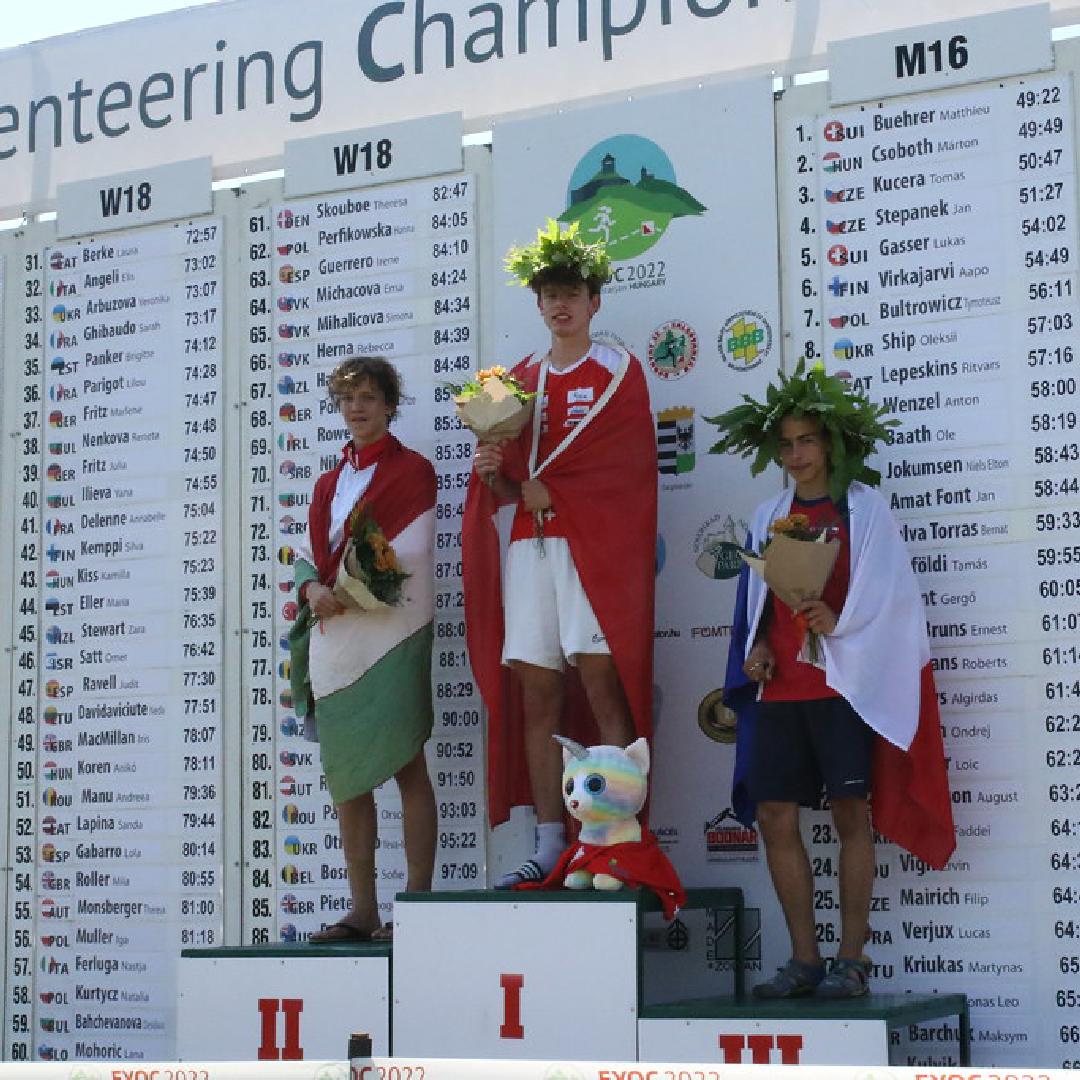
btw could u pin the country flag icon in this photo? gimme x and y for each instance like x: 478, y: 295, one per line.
x: 834, y: 131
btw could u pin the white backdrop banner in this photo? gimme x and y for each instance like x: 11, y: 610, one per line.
x: 235, y: 80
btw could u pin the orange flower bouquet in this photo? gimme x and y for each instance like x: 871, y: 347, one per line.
x: 796, y: 563
x: 369, y: 576
x: 494, y: 407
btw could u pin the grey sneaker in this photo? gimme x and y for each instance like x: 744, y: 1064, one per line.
x: 794, y: 979
x: 846, y: 979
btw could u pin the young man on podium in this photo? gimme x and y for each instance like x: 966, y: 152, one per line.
x: 564, y: 643
x: 834, y: 690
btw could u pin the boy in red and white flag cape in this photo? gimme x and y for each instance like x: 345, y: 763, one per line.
x: 577, y: 598
x: 860, y: 720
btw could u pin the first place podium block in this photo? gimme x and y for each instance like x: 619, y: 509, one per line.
x: 516, y: 975
x: 282, y: 1003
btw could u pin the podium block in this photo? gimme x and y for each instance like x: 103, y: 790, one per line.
x: 802, y: 1031
x: 282, y: 1003
x: 516, y: 975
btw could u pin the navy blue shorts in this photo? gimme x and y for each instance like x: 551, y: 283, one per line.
x: 801, y: 747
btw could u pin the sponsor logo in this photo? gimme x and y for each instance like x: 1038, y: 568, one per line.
x: 745, y: 340
x: 715, y: 719
x: 675, y: 440
x: 673, y: 349
x: 717, y: 548
x: 726, y: 835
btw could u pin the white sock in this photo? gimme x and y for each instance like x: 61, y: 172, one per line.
x: 550, y: 844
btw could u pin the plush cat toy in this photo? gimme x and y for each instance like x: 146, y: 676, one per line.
x: 605, y: 787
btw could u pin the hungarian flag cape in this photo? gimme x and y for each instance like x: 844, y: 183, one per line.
x: 878, y: 658
x: 602, y: 481
x: 335, y: 655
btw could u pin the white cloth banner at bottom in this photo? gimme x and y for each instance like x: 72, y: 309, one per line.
x: 473, y: 1069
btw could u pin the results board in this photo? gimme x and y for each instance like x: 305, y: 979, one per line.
x: 120, y: 620
x: 150, y: 465
x: 931, y: 246
x: 388, y: 272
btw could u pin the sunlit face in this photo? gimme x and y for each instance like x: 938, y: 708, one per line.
x: 567, y: 309
x: 365, y: 412
x: 804, y: 456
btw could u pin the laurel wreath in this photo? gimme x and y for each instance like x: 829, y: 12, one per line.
x: 562, y: 248
x: 853, y: 425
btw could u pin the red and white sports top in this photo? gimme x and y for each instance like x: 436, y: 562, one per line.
x: 569, y: 394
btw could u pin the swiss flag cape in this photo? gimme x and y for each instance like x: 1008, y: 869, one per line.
x: 603, y: 490
x: 402, y: 488
x: 879, y: 660
x: 640, y: 863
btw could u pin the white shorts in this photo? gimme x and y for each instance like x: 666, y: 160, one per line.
x: 549, y: 619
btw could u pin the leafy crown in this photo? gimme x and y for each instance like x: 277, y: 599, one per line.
x: 558, y: 248
x: 852, y: 423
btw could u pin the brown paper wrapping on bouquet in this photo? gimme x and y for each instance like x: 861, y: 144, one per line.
x: 349, y: 588
x: 494, y: 414
x: 795, y: 570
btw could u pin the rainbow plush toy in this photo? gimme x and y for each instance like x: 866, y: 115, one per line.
x: 605, y: 787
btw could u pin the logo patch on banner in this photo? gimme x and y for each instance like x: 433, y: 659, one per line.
x: 726, y: 835
x: 673, y: 349
x: 675, y: 449
x: 715, y: 719
x: 717, y: 547
x: 623, y: 192
x: 745, y: 340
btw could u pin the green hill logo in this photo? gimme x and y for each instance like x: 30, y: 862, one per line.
x: 628, y: 216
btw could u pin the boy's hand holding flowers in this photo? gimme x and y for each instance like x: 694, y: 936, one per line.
x: 817, y: 616
x: 324, y: 604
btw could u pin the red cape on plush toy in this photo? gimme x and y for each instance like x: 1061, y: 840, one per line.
x: 640, y: 864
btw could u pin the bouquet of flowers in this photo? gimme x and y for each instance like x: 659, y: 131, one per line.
x: 796, y: 563
x: 493, y: 407
x: 369, y: 576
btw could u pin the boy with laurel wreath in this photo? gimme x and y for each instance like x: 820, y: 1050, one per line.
x: 860, y: 720
x: 578, y: 588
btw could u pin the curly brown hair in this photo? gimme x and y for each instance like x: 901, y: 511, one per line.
x: 373, y: 369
